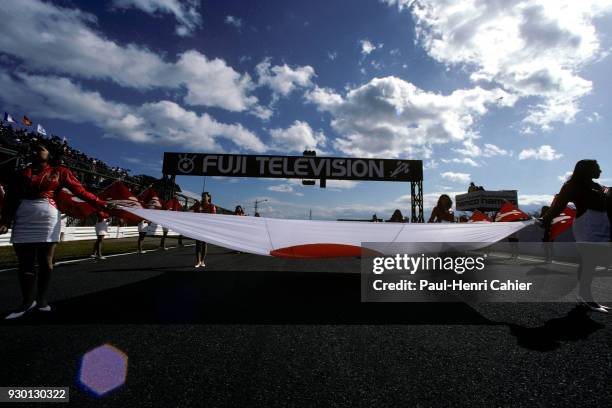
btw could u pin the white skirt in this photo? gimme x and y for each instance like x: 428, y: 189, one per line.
x: 101, y: 228
x: 36, y: 221
x: 592, y: 226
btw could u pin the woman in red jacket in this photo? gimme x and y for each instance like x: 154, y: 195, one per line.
x: 206, y: 206
x: 591, y: 226
x: 31, y: 210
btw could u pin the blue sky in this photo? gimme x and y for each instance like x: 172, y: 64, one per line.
x: 509, y: 96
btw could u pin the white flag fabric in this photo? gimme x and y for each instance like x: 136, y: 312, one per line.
x: 323, y: 239
x: 41, y: 130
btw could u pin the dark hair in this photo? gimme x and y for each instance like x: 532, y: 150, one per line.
x: 40, y: 143
x: 442, y: 197
x: 397, y: 216
x: 583, y: 171
x: 206, y: 193
x: 55, y: 156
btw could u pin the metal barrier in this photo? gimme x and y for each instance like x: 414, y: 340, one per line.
x: 89, y: 233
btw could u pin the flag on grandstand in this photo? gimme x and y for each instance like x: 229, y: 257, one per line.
x: 72, y: 205
x: 508, y: 213
x: 150, y: 199
x: 41, y: 130
x: 477, y: 216
x: 26, y: 121
x: 173, y: 205
x: 8, y: 118
x: 119, y: 194
x: 562, y: 223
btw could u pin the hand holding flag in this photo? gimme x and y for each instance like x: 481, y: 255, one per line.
x: 150, y: 199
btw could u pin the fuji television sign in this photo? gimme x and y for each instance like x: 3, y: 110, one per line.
x: 304, y: 167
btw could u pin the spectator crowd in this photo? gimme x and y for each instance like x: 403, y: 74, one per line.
x: 91, y: 172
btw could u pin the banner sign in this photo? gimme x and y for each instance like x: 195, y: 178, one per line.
x: 485, y: 200
x: 303, y: 167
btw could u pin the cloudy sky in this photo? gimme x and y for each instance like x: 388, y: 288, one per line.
x: 509, y: 94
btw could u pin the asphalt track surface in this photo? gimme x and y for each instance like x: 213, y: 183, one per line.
x: 257, y: 331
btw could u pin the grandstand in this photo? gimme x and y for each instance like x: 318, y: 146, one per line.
x: 16, y: 146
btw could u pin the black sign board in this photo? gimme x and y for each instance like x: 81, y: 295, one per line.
x: 303, y: 167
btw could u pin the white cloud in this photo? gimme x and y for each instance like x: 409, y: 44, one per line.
x: 284, y: 188
x: 173, y: 124
x: 465, y: 160
x: 401, y: 4
x: 377, y: 65
x: 297, y: 137
x: 186, y: 12
x: 262, y: 112
x: 544, y: 152
x: 162, y: 122
x: 472, y: 149
x: 535, y: 199
x: 564, y: 177
x: 282, y: 79
x: 392, y: 117
x: 332, y: 55
x: 594, y: 117
x: 368, y: 47
x: 234, y: 21
x: 491, y: 150
x: 326, y: 99
x: 456, y: 177
x: 527, y: 130
x: 341, y: 184
x: 66, y: 42
x: 213, y: 83
x: 530, y: 48
x: 430, y: 164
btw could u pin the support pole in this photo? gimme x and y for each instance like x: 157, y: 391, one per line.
x: 172, y: 190
x: 416, y: 201
x: 164, y: 187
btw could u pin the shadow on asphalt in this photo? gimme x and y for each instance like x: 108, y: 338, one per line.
x: 252, y: 297
x: 232, y: 297
x: 575, y: 326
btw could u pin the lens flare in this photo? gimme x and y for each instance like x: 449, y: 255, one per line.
x: 103, y: 369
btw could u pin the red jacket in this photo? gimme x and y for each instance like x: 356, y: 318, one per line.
x: 585, y: 196
x: 45, y: 184
x: 205, y: 208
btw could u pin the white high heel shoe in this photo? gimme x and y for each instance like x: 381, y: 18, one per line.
x: 17, y: 315
x: 593, y: 306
